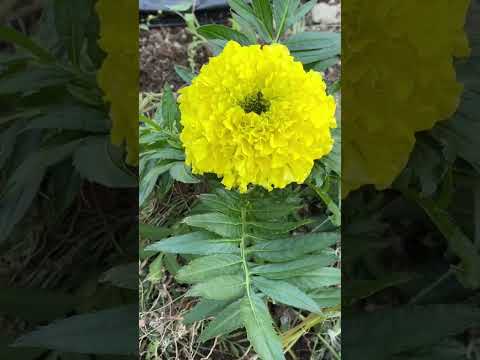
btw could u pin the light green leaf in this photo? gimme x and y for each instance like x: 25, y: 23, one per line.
x: 260, y: 331
x: 218, y: 223
x: 207, y: 267
x: 227, y: 287
x: 198, y: 242
x: 285, y: 293
x: 224, y: 323
x: 294, y: 247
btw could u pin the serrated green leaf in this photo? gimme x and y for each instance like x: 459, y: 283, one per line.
x: 294, y: 268
x: 285, y: 293
x: 299, y: 13
x: 112, y: 331
x: 282, y: 250
x: 181, y: 172
x: 313, y: 41
x: 215, y: 222
x: 214, y: 202
x: 198, y: 242
x: 403, y: 329
x: 224, y: 323
x: 244, y: 10
x: 25, y: 42
x: 169, y: 109
x: 227, y: 287
x: 153, y: 232
x: 263, y: 11
x: 207, y: 267
x: 327, y: 297
x: 325, y: 276
x: 71, y: 22
x: 124, y: 276
x: 203, y: 309
x: 260, y: 331
x: 184, y: 73
x: 284, y: 227
x: 105, y: 170
x: 148, y: 182
x: 222, y: 32
x: 281, y: 12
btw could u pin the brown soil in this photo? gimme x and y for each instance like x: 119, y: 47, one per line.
x: 160, y: 50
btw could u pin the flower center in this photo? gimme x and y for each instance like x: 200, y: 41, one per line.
x: 255, y: 103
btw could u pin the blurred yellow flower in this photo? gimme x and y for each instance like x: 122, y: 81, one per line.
x: 254, y: 116
x: 398, y: 78
x: 118, y: 76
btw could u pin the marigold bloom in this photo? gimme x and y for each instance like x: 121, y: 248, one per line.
x: 118, y: 77
x: 399, y: 78
x: 254, y: 116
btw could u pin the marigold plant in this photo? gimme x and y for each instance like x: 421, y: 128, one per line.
x: 255, y: 116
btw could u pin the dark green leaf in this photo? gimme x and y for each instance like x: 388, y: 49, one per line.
x: 113, y: 331
x: 94, y: 160
x: 23, y: 41
x: 223, y: 33
x: 379, y: 335
x: 36, y: 304
x: 124, y: 276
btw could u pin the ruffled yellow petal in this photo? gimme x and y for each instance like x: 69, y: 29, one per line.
x: 118, y: 76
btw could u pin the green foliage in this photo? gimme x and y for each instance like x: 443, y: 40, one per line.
x: 62, y: 116
x: 245, y: 256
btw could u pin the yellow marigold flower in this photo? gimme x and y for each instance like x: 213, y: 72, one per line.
x: 118, y: 76
x: 399, y: 78
x: 254, y: 116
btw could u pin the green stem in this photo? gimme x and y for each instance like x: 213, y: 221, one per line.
x: 243, y: 251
